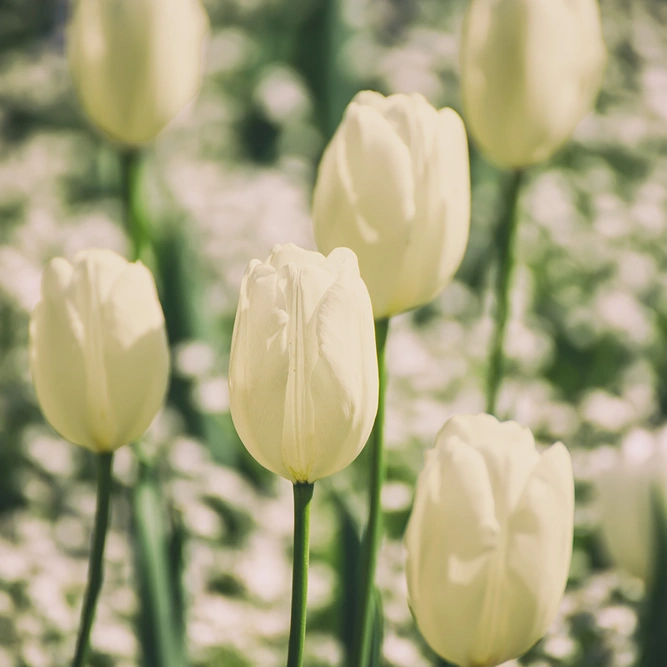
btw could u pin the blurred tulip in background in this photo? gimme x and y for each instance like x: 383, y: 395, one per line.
x: 136, y: 63
x: 530, y: 71
x: 626, y: 484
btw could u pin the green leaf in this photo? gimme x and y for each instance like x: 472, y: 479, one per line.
x: 158, y: 557
x: 378, y: 630
x: 653, y: 621
x: 347, y: 569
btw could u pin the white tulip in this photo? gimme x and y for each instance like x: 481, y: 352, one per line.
x: 530, y: 71
x: 489, y: 540
x: 136, y: 63
x: 394, y: 185
x: 98, y: 349
x: 303, y: 374
x: 627, y: 486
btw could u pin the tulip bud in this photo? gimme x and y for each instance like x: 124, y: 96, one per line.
x: 98, y: 349
x: 625, y: 486
x: 136, y: 63
x: 489, y: 540
x: 303, y: 374
x: 530, y: 71
x: 394, y: 185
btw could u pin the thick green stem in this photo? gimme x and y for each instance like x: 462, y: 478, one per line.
x: 373, y: 534
x: 96, y: 563
x: 505, y: 244
x: 303, y: 493
x: 135, y: 222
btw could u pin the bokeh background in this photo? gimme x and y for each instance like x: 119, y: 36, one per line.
x: 230, y: 178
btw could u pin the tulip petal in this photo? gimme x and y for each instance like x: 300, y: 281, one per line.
x: 485, y: 431
x: 289, y: 253
x: 538, y: 556
x: 365, y: 178
x: 624, y: 500
x: 56, y: 358
x: 454, y: 181
x: 344, y: 388
x: 136, y: 353
x: 259, y: 366
x: 442, y: 195
x: 304, y: 289
x: 452, y: 530
x: 393, y: 185
x: 95, y: 272
x: 376, y: 158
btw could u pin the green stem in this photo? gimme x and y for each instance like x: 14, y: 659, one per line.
x: 373, y: 534
x: 159, y: 579
x: 135, y: 222
x: 96, y: 563
x: 505, y: 244
x: 303, y: 493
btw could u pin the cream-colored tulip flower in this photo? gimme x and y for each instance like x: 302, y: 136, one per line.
x: 489, y: 540
x: 394, y: 185
x: 627, y: 485
x: 98, y: 349
x: 530, y: 71
x: 303, y: 375
x: 136, y: 63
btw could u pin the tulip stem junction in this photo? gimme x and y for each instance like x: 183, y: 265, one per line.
x: 505, y: 244
x: 96, y: 563
x: 372, y: 536
x: 135, y: 222
x: 303, y: 493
